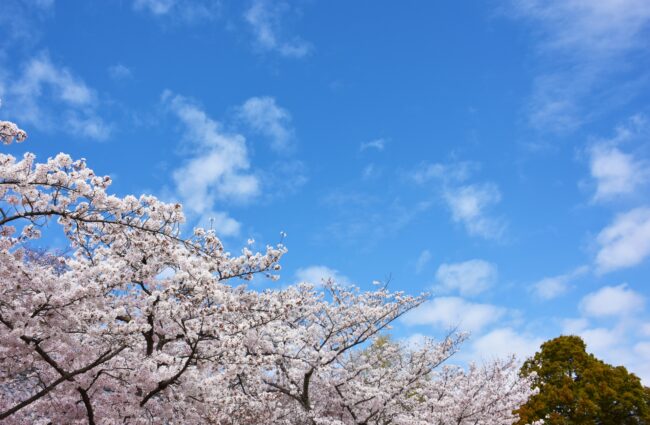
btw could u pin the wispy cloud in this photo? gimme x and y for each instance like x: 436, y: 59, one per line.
x: 52, y: 98
x: 157, y: 7
x: 266, y: 117
x: 468, y: 278
x: 364, y: 219
x: 645, y: 329
x: 612, y: 301
x: 219, y: 168
x: 469, y: 204
x: 503, y: 342
x: 423, y: 260
x: 587, y: 27
x: 617, y: 343
x: 619, y: 329
x: 601, y: 339
x: 262, y: 115
x: 186, y: 11
x: 20, y: 22
x: 318, y: 274
x: 554, y: 286
x: 377, y: 144
x: 219, y: 221
x: 454, y: 312
x: 625, y: 242
x: 119, y: 72
x: 265, y: 20
x: 370, y: 172
x: 449, y: 173
x: 617, y: 173
x: 581, y: 44
x: 283, y: 177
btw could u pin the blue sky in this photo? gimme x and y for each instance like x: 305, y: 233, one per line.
x: 493, y: 153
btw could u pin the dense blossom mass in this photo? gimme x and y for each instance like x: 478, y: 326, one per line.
x: 132, y: 323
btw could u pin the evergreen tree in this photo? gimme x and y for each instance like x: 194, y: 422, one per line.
x: 577, y: 388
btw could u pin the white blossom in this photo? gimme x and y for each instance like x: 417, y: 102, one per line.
x: 99, y: 334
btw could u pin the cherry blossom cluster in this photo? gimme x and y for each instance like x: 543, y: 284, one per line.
x: 10, y: 132
x: 130, y: 322
x: 482, y: 394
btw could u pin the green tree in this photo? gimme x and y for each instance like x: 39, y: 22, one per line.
x: 576, y: 388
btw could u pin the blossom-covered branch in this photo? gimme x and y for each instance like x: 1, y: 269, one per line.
x: 131, y: 322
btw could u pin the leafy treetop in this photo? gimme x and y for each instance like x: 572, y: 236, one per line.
x: 577, y: 388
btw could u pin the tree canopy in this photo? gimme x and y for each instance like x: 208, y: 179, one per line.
x: 137, y: 324
x: 577, y: 388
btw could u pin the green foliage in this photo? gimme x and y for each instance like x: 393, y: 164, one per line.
x: 577, y: 388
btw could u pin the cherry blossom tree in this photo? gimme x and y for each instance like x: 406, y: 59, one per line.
x: 134, y: 323
x: 480, y: 395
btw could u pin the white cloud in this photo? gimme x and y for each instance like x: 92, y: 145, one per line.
x: 554, y: 104
x: 51, y: 98
x: 619, y: 343
x: 612, y: 301
x: 43, y: 4
x: 551, y: 287
x: 468, y: 205
x: 625, y: 242
x: 156, y: 7
x: 645, y: 329
x: 370, y: 171
x: 264, y: 18
x: 88, y: 126
x: 377, y: 144
x: 574, y: 326
x: 414, y: 341
x: 613, y: 345
x: 616, y: 173
x: 365, y: 220
x: 220, y: 222
x: 213, y: 176
x: 119, y: 72
x: 504, y: 342
x: 468, y: 278
x: 317, y: 275
x: 588, y: 27
x: 187, y: 11
x: 423, y: 260
x: 264, y: 116
x: 643, y: 349
x: 554, y: 286
x: 220, y: 166
x: 452, y: 312
x: 283, y: 177
x: 599, y: 340
x: 641, y: 366
x: 456, y: 172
